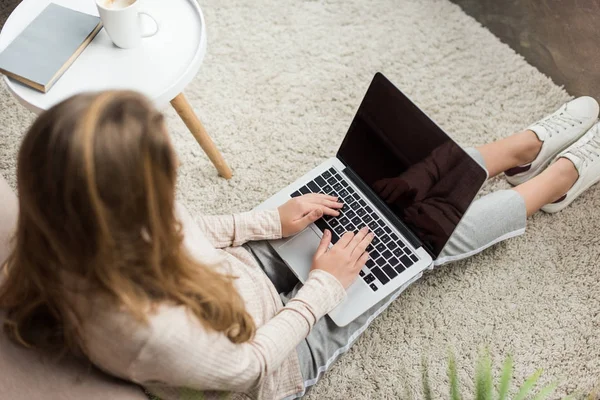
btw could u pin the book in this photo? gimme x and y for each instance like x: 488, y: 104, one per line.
x: 48, y: 46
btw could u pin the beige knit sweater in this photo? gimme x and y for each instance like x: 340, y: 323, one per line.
x: 174, y: 356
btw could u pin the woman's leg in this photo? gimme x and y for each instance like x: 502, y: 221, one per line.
x: 9, y: 208
x: 518, y: 149
x: 548, y: 186
x: 522, y: 148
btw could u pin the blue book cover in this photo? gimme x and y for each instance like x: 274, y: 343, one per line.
x: 48, y: 46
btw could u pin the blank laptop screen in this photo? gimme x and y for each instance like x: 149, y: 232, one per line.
x: 424, y: 177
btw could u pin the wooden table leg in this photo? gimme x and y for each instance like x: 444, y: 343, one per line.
x: 187, y: 114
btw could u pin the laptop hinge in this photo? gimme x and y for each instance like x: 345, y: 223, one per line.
x: 386, y: 211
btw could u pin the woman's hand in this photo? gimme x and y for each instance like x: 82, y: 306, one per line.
x: 301, y: 211
x: 346, y: 258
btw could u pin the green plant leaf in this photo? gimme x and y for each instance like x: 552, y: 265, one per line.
x: 507, y: 369
x: 425, y: 378
x: 528, y: 385
x: 546, y: 391
x: 484, y: 385
x: 453, y: 376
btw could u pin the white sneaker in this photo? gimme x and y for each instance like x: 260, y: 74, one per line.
x: 585, y: 155
x: 556, y: 132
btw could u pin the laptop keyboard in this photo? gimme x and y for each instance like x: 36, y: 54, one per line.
x: 389, y: 254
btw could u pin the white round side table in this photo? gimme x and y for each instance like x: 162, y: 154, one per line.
x: 160, y: 68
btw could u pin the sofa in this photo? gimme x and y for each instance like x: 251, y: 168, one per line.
x: 27, y: 375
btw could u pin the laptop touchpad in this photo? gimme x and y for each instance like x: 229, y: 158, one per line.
x: 298, y: 252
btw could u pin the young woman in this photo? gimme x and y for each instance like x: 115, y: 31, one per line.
x: 106, y: 265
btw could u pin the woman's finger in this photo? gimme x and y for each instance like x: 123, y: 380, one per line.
x: 345, y: 239
x: 360, y: 235
x: 362, y: 246
x: 326, y: 203
x: 330, y: 211
x: 308, y: 218
x: 362, y: 260
x: 324, y: 245
x: 311, y: 196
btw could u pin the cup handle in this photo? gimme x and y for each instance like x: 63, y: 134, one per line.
x: 156, y: 29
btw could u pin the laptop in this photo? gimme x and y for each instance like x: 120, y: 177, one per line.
x: 398, y: 173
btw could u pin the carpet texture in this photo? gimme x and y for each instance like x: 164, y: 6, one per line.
x: 277, y: 92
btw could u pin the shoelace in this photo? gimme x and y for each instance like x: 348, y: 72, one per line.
x: 589, y: 149
x: 557, y: 122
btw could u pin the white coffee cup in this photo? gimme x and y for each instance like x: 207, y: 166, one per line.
x: 122, y: 21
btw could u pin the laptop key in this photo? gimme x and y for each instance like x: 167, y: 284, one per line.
x: 380, y: 275
x: 361, y: 273
x: 398, y: 252
x: 343, y: 193
x: 370, y: 263
x: 380, y: 247
x: 387, y: 254
x: 370, y: 211
x: 334, y: 222
x: 296, y: 194
x: 367, y: 218
x: 356, y: 221
x: 326, y: 174
x: 304, y: 190
x: 344, y: 221
x: 350, y: 228
x: 400, y: 268
x: 321, y: 224
x: 364, y: 204
x: 334, y: 237
x: 373, y: 287
x: 385, y: 239
x: 394, y: 262
x: 331, y: 180
x: 374, y: 254
x: 391, y: 272
x: 338, y: 187
x: 320, y: 181
x: 327, y: 189
x: 414, y: 258
x: 380, y: 261
x: 405, y: 261
x: 392, y: 245
x: 394, y: 237
x: 375, y: 241
x: 356, y: 196
x: 361, y: 212
x: 350, y: 214
x: 372, y: 225
x: 313, y: 187
x: 387, y: 228
x: 378, y: 231
x: 340, y: 230
x: 345, y: 184
x: 369, y: 278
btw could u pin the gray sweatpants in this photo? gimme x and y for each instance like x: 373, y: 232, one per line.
x: 490, y: 219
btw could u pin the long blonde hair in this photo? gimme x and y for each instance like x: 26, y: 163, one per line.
x: 96, y: 183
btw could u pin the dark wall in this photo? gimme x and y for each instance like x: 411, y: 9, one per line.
x: 559, y: 37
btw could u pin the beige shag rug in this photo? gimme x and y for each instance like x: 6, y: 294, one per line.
x: 277, y: 92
